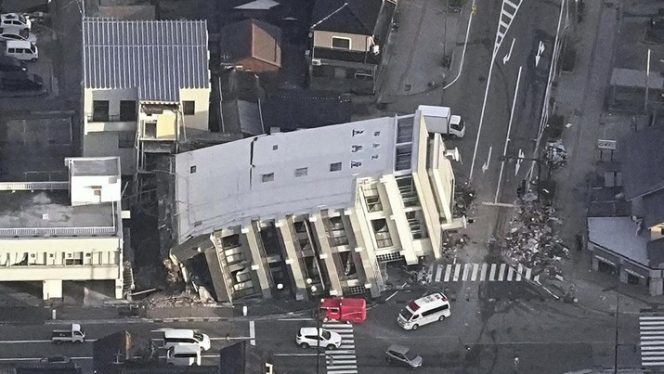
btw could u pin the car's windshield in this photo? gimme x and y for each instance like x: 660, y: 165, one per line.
x: 24, y: 33
x: 326, y: 335
x: 410, y: 355
x: 406, y: 314
x: 198, y: 336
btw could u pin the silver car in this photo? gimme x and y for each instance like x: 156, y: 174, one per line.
x: 403, y: 355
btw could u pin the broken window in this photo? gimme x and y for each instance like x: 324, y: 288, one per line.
x: 340, y: 42
x: 128, y: 110
x: 100, y: 110
x: 355, y: 164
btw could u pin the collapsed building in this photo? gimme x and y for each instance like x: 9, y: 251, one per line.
x: 312, y: 212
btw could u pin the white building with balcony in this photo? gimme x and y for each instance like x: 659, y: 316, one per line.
x: 145, y: 85
x: 55, y: 232
x: 315, y: 211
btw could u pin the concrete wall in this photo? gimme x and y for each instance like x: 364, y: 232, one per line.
x: 101, y: 144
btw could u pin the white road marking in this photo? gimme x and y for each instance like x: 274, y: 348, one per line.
x: 492, y: 273
x: 501, y: 273
x: 448, y: 272
x: 528, y: 272
x: 510, y: 273
x: 476, y: 268
x: 252, y: 332
x: 519, y: 271
x: 485, y: 266
x: 457, y: 270
x: 466, y: 271
x: 439, y: 273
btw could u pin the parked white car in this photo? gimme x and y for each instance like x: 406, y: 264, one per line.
x: 15, y: 21
x: 184, y: 355
x: 171, y: 337
x: 315, y: 337
x: 14, y: 34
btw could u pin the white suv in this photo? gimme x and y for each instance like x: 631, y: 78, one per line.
x: 14, y: 34
x: 313, y: 337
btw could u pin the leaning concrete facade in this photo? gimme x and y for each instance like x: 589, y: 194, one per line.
x: 396, y: 214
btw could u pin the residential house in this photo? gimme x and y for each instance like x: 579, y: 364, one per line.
x: 314, y: 211
x: 68, y: 231
x: 628, y: 237
x: 146, y: 88
x: 348, y: 40
x: 251, y: 45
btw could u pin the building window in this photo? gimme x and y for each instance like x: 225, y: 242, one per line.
x: 376, y: 133
x: 355, y: 164
x: 301, y: 172
x: 100, y: 110
x: 126, y: 139
x: 96, y: 190
x: 188, y: 107
x: 127, y: 110
x: 340, y: 42
x: 192, y: 169
x: 269, y: 177
x: 336, y: 166
x: 356, y: 148
x: 275, y: 147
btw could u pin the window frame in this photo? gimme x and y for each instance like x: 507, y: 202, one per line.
x: 344, y: 38
x: 185, y: 104
x: 335, y: 167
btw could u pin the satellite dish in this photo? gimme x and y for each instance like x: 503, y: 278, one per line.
x: 453, y: 154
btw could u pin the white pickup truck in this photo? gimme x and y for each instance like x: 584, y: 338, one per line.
x: 72, y: 335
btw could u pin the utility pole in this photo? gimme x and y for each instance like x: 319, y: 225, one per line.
x: 615, y: 352
x: 645, y: 102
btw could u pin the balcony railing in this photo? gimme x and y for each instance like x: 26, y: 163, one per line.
x: 33, y: 186
x: 57, y: 231
x: 110, y: 118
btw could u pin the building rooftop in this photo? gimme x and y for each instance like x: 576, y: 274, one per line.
x: 49, y: 213
x: 94, y: 166
x: 619, y: 235
x: 251, y: 38
x: 287, y: 173
x: 356, y: 17
x: 635, y: 79
x: 642, y: 153
x: 158, y: 58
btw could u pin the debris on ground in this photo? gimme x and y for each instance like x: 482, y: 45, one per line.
x: 556, y: 154
x: 532, y: 239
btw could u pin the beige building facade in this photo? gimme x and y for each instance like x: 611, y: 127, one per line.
x: 145, y: 83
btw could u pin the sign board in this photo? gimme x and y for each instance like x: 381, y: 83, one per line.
x: 606, y: 144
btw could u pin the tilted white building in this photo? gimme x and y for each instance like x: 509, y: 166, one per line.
x: 316, y: 210
x: 55, y: 232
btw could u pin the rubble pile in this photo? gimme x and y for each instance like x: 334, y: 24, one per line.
x: 556, y: 154
x: 532, y: 240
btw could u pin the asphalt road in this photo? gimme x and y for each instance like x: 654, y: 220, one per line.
x: 534, y: 25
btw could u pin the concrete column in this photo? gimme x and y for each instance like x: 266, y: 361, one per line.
x: 285, y: 227
x: 398, y: 216
x: 656, y: 288
x: 623, y: 275
x: 258, y: 262
x: 325, y: 254
x: 373, y: 276
x: 52, y: 289
x: 119, y: 285
x: 595, y: 264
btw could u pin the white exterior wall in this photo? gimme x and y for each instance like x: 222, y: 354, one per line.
x: 83, y: 189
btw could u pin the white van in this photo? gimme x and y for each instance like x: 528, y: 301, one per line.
x: 184, y: 355
x: 21, y: 50
x: 173, y: 337
x: 431, y: 308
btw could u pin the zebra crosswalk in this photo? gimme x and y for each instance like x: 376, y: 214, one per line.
x: 445, y: 273
x: 344, y: 359
x: 651, y: 327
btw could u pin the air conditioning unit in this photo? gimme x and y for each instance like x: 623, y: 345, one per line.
x: 315, y: 62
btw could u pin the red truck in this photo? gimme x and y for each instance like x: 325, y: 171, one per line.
x: 343, y: 309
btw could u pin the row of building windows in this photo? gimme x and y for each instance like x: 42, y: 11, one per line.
x: 128, y: 110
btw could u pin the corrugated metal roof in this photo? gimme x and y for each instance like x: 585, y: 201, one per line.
x: 156, y: 57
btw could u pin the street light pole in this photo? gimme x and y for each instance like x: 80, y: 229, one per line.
x: 615, y: 352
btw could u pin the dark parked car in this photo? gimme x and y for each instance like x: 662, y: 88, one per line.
x: 56, y: 360
x: 402, y: 355
x: 19, y: 81
x: 11, y: 64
